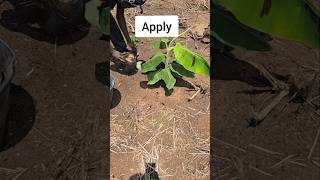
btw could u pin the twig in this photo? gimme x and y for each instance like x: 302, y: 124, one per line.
x: 23, y: 170
x: 282, y: 161
x: 194, y: 95
x: 260, y: 171
x: 30, y: 72
x: 231, y: 145
x: 220, y: 157
x: 238, y: 164
x: 264, y: 150
x: 262, y: 114
x: 297, y: 163
x: 275, y: 83
x: 192, y: 84
x: 8, y: 171
x: 314, y: 144
x: 316, y: 163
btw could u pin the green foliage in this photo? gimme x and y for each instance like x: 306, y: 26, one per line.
x: 162, y: 74
x: 180, y: 70
x: 99, y: 17
x: 152, y: 64
x: 178, y: 61
x: 291, y: 19
x: 168, y: 78
x: 104, y: 21
x: 229, y: 31
x: 154, y: 77
x: 134, y: 38
x: 191, y: 61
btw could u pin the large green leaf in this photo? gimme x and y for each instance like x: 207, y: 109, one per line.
x: 152, y: 64
x: 228, y: 30
x: 190, y: 60
x: 92, y: 12
x: 168, y: 78
x: 98, y: 18
x: 154, y: 77
x: 104, y: 21
x: 162, y: 74
x: 180, y: 70
x: 288, y: 19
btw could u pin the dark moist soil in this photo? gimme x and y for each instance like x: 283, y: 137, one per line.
x: 59, y: 109
x: 238, y: 90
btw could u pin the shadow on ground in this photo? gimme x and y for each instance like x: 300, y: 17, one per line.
x: 179, y: 83
x: 21, y: 116
x: 227, y: 67
x: 41, y: 24
x: 150, y: 173
x: 102, y: 73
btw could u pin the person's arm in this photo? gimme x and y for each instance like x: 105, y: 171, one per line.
x: 123, y: 26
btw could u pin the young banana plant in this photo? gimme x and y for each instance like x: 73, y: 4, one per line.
x: 177, y: 60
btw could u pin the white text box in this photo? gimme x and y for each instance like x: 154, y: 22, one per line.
x: 156, y: 26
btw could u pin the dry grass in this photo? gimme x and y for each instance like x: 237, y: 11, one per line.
x: 165, y: 135
x: 161, y: 135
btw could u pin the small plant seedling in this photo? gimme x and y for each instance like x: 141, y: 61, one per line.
x: 134, y: 39
x: 178, y: 60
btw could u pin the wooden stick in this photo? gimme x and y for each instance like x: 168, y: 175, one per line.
x: 265, y: 150
x: 314, y: 144
x: 194, y: 95
x: 275, y: 83
x: 260, y: 171
x: 263, y: 114
x: 23, y: 170
x: 278, y: 164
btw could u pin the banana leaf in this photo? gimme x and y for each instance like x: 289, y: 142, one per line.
x: 229, y: 31
x: 290, y: 19
x: 97, y: 16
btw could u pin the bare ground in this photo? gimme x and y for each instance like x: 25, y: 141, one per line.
x: 151, y: 125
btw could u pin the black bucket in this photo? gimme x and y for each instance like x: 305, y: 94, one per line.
x: 7, y: 71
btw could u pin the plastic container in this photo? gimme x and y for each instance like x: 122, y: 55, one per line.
x: 7, y: 71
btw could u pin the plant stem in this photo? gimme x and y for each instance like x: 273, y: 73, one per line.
x: 169, y: 48
x: 173, y: 40
x: 168, y: 59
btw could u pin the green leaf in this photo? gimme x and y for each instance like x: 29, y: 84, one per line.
x: 154, y: 77
x: 168, y: 78
x: 162, y: 74
x: 180, y: 70
x: 98, y: 18
x: 162, y: 44
x: 190, y: 60
x: 92, y: 12
x: 134, y: 38
x: 152, y: 64
x: 104, y: 21
x: 288, y: 19
x: 228, y: 30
